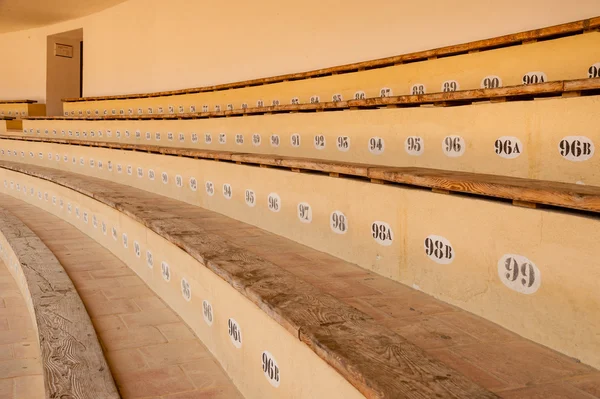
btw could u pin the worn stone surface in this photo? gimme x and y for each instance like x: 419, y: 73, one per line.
x: 149, y: 349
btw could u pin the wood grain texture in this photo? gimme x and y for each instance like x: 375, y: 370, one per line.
x: 564, y: 195
x: 73, y: 361
x: 460, y: 97
x: 414, y: 376
x: 572, y: 196
x: 479, y: 45
x: 306, y: 311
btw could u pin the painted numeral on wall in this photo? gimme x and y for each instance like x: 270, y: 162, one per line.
x: 414, y: 145
x: 165, y: 271
x: 360, y: 95
x: 382, y: 233
x: 193, y: 184
x: 343, y: 143
x: 210, y: 188
x: 235, y: 333
x: 376, y: 145
x: 207, y: 312
x: 186, y: 290
x: 450, y: 85
x: 271, y: 369
x: 519, y: 274
x: 508, y: 147
x: 250, y: 198
x: 338, y: 222
x: 453, y: 146
x: 594, y: 71
x: 295, y: 140
x: 319, y: 141
x: 149, y: 259
x: 304, y: 212
x: 531, y: 78
x: 491, y: 82
x: 576, y: 148
x: 274, y: 202
x: 439, y: 249
x: 227, y: 192
x: 275, y: 140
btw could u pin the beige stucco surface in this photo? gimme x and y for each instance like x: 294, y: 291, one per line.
x: 141, y: 45
x: 18, y: 110
x: 559, y: 59
x: 557, y: 308
x: 303, y: 373
x: 538, y: 126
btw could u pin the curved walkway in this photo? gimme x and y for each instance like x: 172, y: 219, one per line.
x: 20, y: 362
x: 500, y: 361
x: 152, y: 354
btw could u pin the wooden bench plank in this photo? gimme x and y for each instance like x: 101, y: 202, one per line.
x: 573, y: 196
x: 460, y: 97
x: 565, y: 195
x: 303, y: 309
x: 18, y: 101
x: 501, y: 41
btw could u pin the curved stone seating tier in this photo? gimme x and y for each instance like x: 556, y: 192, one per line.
x: 292, y: 336
x: 21, y: 372
x: 11, y: 112
x: 150, y: 351
x: 571, y: 57
x: 555, y: 31
x: 134, y: 224
x: 548, y: 139
x: 484, y: 256
x: 72, y: 359
x: 523, y: 192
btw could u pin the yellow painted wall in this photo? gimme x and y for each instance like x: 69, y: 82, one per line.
x: 538, y: 128
x: 302, y: 373
x: 471, y: 239
x: 148, y: 45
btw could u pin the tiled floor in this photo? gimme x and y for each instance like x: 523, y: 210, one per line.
x: 491, y: 356
x: 20, y: 364
x: 152, y: 354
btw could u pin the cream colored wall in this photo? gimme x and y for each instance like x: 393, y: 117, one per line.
x: 302, y: 372
x: 62, y: 74
x: 557, y: 299
x: 144, y: 45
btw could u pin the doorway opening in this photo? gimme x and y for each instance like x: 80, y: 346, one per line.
x: 64, y: 69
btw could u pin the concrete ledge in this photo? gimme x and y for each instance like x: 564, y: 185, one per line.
x: 520, y: 139
x: 563, y: 195
x: 570, y: 28
x: 73, y: 362
x: 300, y: 308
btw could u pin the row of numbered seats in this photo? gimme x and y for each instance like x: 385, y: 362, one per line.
x: 208, y: 260
x: 63, y: 329
x: 504, y: 257
x: 562, y: 58
x: 546, y: 139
